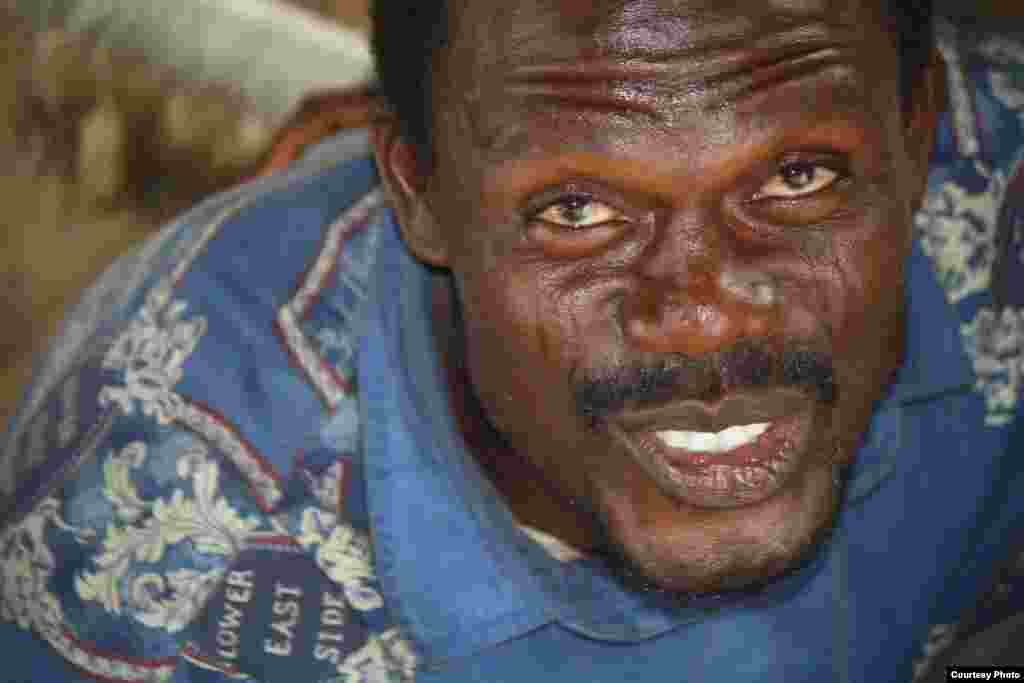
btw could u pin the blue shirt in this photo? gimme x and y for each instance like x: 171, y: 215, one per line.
x: 238, y: 459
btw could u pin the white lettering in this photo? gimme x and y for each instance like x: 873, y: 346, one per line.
x: 334, y: 614
x: 232, y: 618
x: 277, y: 647
x: 283, y: 591
x: 237, y: 595
x: 330, y: 636
x: 238, y: 590
x: 331, y: 600
x: 285, y: 605
x: 227, y: 634
x: 284, y: 628
x: 326, y: 653
x: 332, y: 617
x: 240, y: 579
x: 970, y: 675
x: 227, y: 638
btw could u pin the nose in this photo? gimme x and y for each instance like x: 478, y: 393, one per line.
x: 698, y: 298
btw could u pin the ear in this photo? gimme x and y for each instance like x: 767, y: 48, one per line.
x: 406, y: 179
x: 928, y: 101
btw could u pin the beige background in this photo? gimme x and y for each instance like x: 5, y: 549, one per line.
x: 97, y: 150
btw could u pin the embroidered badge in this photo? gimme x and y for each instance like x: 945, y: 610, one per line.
x: 278, y: 616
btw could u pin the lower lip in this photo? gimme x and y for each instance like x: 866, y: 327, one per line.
x: 746, y: 475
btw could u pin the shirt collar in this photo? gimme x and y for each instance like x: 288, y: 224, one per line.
x: 935, y: 366
x: 456, y: 568
x: 935, y: 363
x: 449, y: 557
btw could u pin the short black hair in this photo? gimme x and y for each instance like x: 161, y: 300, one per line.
x: 407, y: 34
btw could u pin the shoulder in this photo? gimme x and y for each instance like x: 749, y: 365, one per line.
x: 163, y: 427
x: 971, y: 224
x: 265, y: 237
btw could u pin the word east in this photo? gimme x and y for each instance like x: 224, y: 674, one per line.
x: 285, y: 617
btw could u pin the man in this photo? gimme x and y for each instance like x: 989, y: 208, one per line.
x: 631, y: 371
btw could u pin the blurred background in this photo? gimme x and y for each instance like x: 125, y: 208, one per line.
x: 102, y: 140
x: 108, y: 129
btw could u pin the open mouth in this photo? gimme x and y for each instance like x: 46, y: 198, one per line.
x: 731, y: 466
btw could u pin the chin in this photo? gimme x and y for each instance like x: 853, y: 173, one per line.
x: 654, y: 544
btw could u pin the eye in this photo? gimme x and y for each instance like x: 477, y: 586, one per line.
x: 797, y: 179
x: 579, y: 212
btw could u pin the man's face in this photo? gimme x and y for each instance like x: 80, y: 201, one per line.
x: 677, y: 230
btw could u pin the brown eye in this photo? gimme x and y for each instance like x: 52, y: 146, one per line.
x: 578, y: 212
x: 797, y: 179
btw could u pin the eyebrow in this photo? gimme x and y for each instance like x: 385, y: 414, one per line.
x: 627, y: 172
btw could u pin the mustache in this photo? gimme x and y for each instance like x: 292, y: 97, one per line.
x: 748, y: 364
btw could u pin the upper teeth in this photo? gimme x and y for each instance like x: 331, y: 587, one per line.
x: 713, y: 442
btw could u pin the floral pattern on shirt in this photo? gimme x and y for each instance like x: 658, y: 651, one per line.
x: 128, y: 574
x: 995, y: 342
x: 149, y: 357
x: 176, y: 493
x: 957, y: 230
x: 343, y: 553
x: 971, y: 223
x: 386, y: 658
x: 972, y: 226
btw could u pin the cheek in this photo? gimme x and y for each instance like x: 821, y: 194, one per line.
x: 869, y: 286
x: 867, y: 324
x: 515, y: 348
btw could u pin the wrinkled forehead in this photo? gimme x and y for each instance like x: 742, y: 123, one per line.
x: 525, y: 73
x: 493, y: 35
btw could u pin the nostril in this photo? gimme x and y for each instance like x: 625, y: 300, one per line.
x: 679, y: 325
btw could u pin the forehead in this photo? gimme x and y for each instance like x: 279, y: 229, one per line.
x: 516, y: 68
x: 536, y: 29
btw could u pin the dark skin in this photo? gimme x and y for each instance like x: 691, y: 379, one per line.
x: 618, y: 185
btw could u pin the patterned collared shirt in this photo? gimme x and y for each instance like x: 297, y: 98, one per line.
x: 237, y: 461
